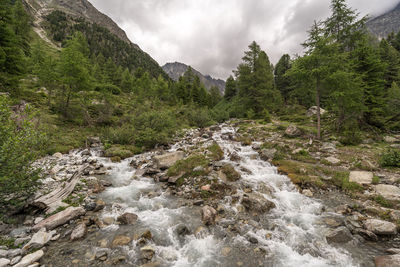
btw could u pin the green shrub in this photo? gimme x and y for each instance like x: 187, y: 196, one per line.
x: 383, y: 201
x: 185, y: 167
x: 390, y: 158
x: 230, y: 172
x: 20, y: 144
x: 351, y: 138
x: 118, y: 135
x: 118, y: 151
x: 216, y: 152
x: 199, y: 117
x: 375, y: 180
x: 266, y: 116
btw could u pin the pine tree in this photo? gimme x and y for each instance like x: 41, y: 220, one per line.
x: 230, y: 88
x: 391, y: 58
x: 282, y: 81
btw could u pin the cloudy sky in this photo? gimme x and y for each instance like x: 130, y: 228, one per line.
x: 211, y: 35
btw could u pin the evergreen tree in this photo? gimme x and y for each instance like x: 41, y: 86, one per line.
x: 393, y: 101
x: 230, y: 88
x: 21, y: 25
x: 215, y: 96
x: 391, y: 58
x: 282, y: 81
x: 74, y: 69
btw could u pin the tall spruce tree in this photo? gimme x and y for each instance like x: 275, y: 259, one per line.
x: 282, y: 80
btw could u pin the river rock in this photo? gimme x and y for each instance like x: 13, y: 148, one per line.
x: 4, y: 262
x: 15, y: 260
x: 147, y: 252
x: 257, y: 203
x: 332, y: 160
x: 30, y: 259
x: 121, y: 240
x: 293, y: 131
x: 393, y: 251
x: 268, y: 154
x: 234, y: 156
x: 57, y: 155
x: 100, y: 204
x: 39, y: 239
x: 390, y: 192
x: 127, y: 218
x: 79, y: 232
x: 339, y: 235
x: 380, y: 227
x: 387, y: 261
x: 208, y: 215
x: 361, y: 177
x: 307, y: 193
x: 60, y: 218
x: 167, y: 160
x: 312, y: 111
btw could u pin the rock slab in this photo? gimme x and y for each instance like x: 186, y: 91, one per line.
x: 30, y: 259
x: 361, y: 177
x: 339, y: 235
x: 387, y: 261
x: 167, y: 160
x: 380, y: 227
x: 60, y: 218
x: 390, y: 192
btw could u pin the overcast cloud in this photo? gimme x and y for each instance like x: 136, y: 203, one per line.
x: 211, y: 35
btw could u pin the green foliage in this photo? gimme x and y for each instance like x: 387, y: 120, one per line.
x: 390, y: 158
x: 383, y: 201
x: 266, y: 116
x: 20, y: 145
x: 230, y: 88
x: 375, y: 180
x: 351, y: 137
x: 198, y: 117
x: 216, y: 152
x: 118, y: 151
x: 185, y: 167
x: 282, y: 81
x: 230, y: 172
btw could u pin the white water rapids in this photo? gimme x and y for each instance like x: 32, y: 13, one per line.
x: 290, y: 234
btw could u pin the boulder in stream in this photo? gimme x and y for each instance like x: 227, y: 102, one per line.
x: 208, y: 215
x: 257, y: 203
x: 387, y: 261
x: 127, y: 218
x: 167, y: 160
x: 380, y: 227
x: 339, y: 235
x: 79, y: 232
x: 30, y: 259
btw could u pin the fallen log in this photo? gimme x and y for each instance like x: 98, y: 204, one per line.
x: 53, y: 200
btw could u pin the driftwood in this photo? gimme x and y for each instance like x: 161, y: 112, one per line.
x: 54, y: 199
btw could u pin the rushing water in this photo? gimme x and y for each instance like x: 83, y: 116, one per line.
x: 289, y: 235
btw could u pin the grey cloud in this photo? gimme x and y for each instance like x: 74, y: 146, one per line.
x: 211, y: 35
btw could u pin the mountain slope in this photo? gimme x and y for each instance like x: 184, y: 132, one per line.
x: 55, y: 20
x: 177, y: 69
x: 385, y: 24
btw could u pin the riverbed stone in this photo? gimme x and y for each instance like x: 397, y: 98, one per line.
x: 79, y: 232
x: 15, y: 260
x: 127, y: 218
x: 208, y: 215
x: 167, y: 160
x: 390, y: 192
x: 30, y: 259
x: 268, y: 154
x: 380, y: 227
x: 60, y: 218
x: 257, y: 203
x: 121, y: 240
x: 39, y: 239
x: 339, y: 235
x: 147, y: 252
x: 387, y: 261
x: 361, y: 177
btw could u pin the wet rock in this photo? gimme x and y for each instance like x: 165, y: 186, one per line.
x: 387, y: 261
x: 380, y: 227
x: 253, y: 240
x: 90, y: 206
x: 256, y: 146
x: 167, y: 160
x: 38, y: 220
x: 307, y: 193
x: 147, y: 252
x: 108, y: 220
x: 339, y: 235
x: 226, y: 251
x: 293, y: 131
x: 101, y: 255
x: 121, y: 240
x: 267, y: 154
x: 79, y: 232
x: 4, y: 262
x: 198, y: 202
x: 257, y: 203
x: 127, y: 218
x: 332, y: 160
x: 39, y: 239
x: 229, y: 173
x: 100, y: 204
x: 61, y: 218
x: 30, y: 259
x: 312, y: 111
x: 146, y: 235
x: 390, y: 192
x: 208, y: 215
x: 393, y: 251
x: 182, y: 230
x: 86, y: 152
x: 361, y: 177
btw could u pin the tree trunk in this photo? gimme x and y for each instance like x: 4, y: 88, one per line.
x: 318, y: 91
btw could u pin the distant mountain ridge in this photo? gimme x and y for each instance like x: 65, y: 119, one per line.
x: 104, y: 36
x: 385, y: 24
x: 177, y: 69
